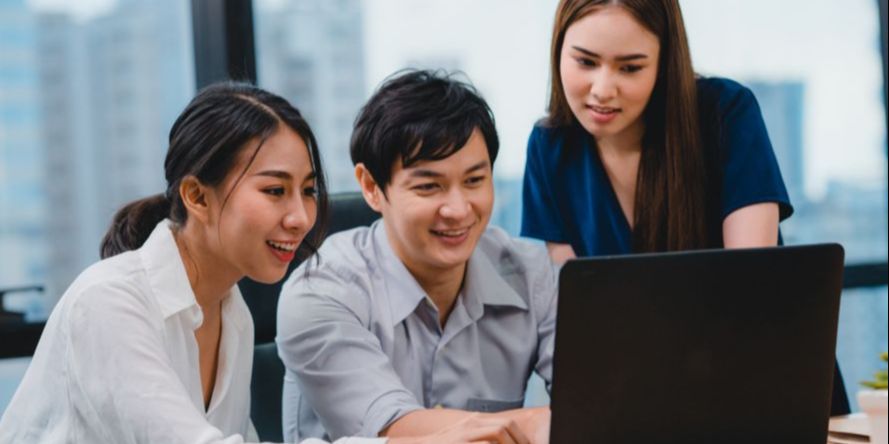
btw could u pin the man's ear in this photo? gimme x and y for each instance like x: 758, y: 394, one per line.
x: 372, y: 193
x: 195, y: 198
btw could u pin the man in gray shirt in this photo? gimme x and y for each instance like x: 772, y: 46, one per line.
x: 412, y: 324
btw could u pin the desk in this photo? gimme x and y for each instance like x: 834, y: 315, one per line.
x: 848, y: 429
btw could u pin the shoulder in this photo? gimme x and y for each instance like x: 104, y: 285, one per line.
x: 340, y: 273
x: 546, y: 135
x: 724, y: 93
x: 556, y: 146
x: 110, y: 288
x: 499, y: 246
x: 526, y: 259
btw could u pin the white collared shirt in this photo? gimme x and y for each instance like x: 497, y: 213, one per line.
x: 118, y: 361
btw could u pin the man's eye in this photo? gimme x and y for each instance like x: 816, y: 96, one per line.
x: 475, y: 180
x: 425, y: 187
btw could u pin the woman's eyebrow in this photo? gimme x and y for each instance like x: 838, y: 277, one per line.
x: 620, y: 58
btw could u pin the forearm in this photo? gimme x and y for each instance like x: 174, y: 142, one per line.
x: 424, y: 422
x: 429, y: 421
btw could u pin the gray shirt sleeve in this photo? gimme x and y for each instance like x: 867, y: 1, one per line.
x: 324, y: 338
x: 545, y: 296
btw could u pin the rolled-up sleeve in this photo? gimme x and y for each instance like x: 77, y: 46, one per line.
x: 324, y: 338
x: 541, y: 218
x: 751, y: 169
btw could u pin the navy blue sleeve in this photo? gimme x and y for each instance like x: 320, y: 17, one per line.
x: 751, y: 174
x: 540, y: 215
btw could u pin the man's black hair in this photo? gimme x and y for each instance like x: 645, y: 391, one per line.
x: 419, y: 115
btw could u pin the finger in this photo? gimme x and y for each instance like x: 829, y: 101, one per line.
x: 495, y: 434
x: 518, y: 436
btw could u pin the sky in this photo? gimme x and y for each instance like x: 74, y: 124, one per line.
x: 502, y: 45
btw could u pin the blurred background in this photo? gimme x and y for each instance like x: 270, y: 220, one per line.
x: 89, y: 90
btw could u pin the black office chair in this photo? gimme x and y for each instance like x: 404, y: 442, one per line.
x: 347, y: 210
x: 265, y: 392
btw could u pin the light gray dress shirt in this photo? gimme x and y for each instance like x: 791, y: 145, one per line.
x: 362, y: 343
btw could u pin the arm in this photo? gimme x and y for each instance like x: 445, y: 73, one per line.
x: 525, y: 425
x: 751, y: 226
x: 754, y: 198
x: 560, y: 253
x: 343, y: 373
x: 541, y: 218
x: 120, y: 375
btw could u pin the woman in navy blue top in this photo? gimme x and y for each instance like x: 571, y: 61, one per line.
x: 639, y: 154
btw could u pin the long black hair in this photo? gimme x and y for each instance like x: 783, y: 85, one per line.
x: 205, y: 141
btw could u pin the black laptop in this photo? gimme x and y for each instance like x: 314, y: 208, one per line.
x: 715, y: 346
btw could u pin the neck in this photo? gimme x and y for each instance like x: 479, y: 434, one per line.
x: 442, y: 286
x: 627, y: 143
x: 210, y: 278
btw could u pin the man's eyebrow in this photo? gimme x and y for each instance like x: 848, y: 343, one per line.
x: 479, y: 166
x: 620, y: 58
x: 424, y: 173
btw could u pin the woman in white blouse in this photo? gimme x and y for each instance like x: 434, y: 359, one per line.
x: 154, y: 343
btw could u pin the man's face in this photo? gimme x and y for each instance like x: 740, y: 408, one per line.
x: 435, y: 211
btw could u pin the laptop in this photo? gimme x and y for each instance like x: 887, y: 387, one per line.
x: 713, y: 346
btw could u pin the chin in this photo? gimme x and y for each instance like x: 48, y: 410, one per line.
x: 268, y: 278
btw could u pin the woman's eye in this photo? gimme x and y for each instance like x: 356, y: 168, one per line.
x: 310, y: 191
x: 585, y: 62
x: 631, y: 68
x: 274, y: 191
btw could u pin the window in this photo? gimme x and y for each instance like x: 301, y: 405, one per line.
x: 88, y: 96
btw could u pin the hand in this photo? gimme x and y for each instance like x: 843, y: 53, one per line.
x: 476, y: 429
x: 534, y: 423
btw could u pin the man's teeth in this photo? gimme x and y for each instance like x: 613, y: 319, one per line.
x: 450, y: 232
x: 283, y: 246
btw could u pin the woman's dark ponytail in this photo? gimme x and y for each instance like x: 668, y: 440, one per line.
x: 133, y: 223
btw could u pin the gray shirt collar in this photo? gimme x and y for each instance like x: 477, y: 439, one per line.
x: 484, y: 284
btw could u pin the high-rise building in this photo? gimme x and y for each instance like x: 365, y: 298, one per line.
x: 22, y: 180
x: 109, y: 90
x: 139, y: 73
x: 67, y: 163
x: 311, y: 53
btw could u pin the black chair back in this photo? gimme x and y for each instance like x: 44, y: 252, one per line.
x: 265, y: 392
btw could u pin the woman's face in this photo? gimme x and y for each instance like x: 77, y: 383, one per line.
x: 270, y: 209
x: 609, y: 65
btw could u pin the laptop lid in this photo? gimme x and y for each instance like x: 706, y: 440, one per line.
x: 704, y: 346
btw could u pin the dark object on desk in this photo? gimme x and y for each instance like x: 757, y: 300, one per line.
x: 17, y: 337
x: 697, y: 347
